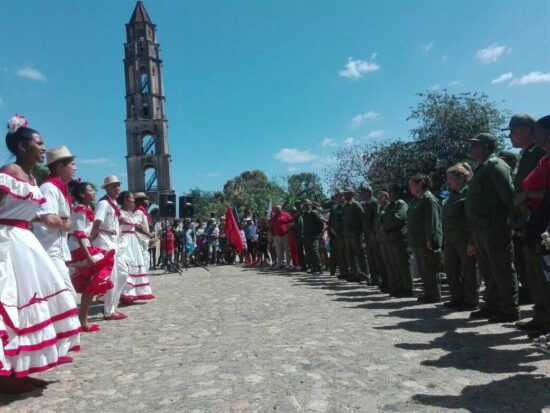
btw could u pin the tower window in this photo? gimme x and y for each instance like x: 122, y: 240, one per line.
x: 145, y: 110
x: 141, y: 35
x: 144, y: 80
x: 148, y: 145
x: 150, y: 178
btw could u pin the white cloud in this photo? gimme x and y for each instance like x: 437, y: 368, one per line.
x: 445, y: 58
x: 328, y: 142
x: 293, y: 169
x: 533, y: 77
x: 213, y: 174
x: 427, y: 47
x: 379, y: 133
x: 502, y: 78
x: 349, y: 141
x: 355, y: 69
x: 492, y: 53
x: 435, y: 87
x: 32, y: 74
x: 456, y: 83
x: 93, y: 161
x: 359, y: 119
x: 293, y: 155
x: 324, y: 161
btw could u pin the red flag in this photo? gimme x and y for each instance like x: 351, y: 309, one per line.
x: 232, y: 232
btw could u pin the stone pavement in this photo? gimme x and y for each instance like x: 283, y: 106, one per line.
x: 243, y: 340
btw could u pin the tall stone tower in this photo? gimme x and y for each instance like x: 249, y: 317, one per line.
x: 148, y: 159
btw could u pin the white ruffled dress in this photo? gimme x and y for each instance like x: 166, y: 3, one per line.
x: 137, y: 285
x: 38, y: 315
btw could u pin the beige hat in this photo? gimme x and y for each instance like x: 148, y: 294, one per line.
x: 139, y: 195
x: 111, y: 179
x: 57, y: 154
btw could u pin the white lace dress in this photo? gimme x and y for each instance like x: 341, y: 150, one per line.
x: 38, y: 315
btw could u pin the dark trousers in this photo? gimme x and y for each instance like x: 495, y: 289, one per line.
x: 461, y: 271
x: 356, y: 257
x: 494, y: 253
x: 428, y: 265
x: 539, y: 287
x: 372, y: 252
x: 401, y: 277
x: 312, y: 254
x: 300, y: 245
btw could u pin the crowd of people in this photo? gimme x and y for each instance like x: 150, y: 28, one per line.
x: 53, y: 246
x: 490, y: 229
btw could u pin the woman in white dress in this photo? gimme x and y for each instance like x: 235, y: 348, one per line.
x: 38, y: 315
x: 90, y: 267
x: 137, y: 286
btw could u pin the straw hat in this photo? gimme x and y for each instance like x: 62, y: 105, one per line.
x: 57, y: 154
x: 111, y: 179
x: 139, y: 195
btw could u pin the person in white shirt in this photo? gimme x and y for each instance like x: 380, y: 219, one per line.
x: 106, y: 234
x: 55, y: 214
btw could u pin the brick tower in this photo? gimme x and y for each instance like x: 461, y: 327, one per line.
x: 148, y: 159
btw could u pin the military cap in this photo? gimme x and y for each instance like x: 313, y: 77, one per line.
x: 508, y: 156
x: 339, y: 191
x: 348, y: 189
x: 298, y: 201
x: 365, y: 188
x: 306, y: 202
x: 483, y: 137
x: 519, y: 120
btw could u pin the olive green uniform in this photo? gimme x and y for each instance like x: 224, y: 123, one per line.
x: 298, y: 231
x: 352, y: 219
x: 336, y: 230
x: 526, y: 260
x: 423, y: 226
x: 460, y: 267
x: 488, y: 202
x: 313, y: 227
x: 394, y: 224
x: 370, y: 218
x: 384, y: 258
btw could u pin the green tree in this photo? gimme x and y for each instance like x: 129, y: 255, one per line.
x: 305, y: 185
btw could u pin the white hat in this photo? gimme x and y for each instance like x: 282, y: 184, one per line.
x: 111, y: 179
x: 57, y: 154
x: 139, y: 195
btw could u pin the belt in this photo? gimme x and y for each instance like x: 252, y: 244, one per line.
x: 18, y: 223
x: 128, y: 232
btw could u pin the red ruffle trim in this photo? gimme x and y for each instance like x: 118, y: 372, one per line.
x: 137, y: 297
x: 137, y: 285
x: 30, y: 195
x: 94, y: 279
x: 32, y: 370
x: 47, y: 343
x: 79, y: 234
x: 87, y: 211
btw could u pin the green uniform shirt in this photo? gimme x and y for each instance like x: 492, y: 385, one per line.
x: 298, y: 229
x: 370, y: 216
x: 313, y: 224
x: 490, y: 195
x: 454, y: 214
x: 424, y: 221
x: 352, y: 218
x: 335, y: 218
x: 394, y: 220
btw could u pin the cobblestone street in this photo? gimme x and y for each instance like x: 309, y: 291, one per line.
x: 246, y: 340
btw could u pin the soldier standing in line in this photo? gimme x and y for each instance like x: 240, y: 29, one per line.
x: 384, y: 257
x: 313, y: 226
x: 425, y: 235
x: 459, y: 265
x: 370, y: 208
x: 298, y: 231
x: 336, y: 229
x: 394, y: 225
x: 488, y: 206
x: 522, y: 135
x: 353, y: 228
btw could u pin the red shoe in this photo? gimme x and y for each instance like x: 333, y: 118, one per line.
x: 116, y: 316
x: 128, y: 301
x: 91, y: 328
x: 65, y: 359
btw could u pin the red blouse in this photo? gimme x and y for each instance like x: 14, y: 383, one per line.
x: 538, y: 179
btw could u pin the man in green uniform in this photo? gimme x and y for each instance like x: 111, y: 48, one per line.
x: 522, y: 135
x: 394, y: 225
x: 336, y: 231
x: 298, y: 232
x: 384, y: 259
x: 370, y: 209
x: 353, y: 229
x: 313, y: 228
x: 488, y: 206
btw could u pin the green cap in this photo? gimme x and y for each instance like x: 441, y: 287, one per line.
x: 339, y: 191
x: 298, y: 201
x: 365, y: 188
x: 348, y: 189
x: 509, y: 157
x: 519, y: 120
x: 483, y: 137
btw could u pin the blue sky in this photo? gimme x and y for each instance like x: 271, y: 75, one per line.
x: 271, y: 85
